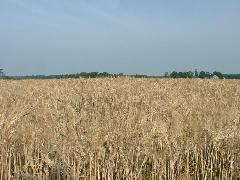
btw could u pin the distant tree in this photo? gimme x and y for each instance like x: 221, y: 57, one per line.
x: 182, y: 75
x: 190, y: 74
x: 93, y: 74
x: 174, y: 74
x: 196, y: 73
x: 104, y: 74
x: 166, y: 74
x: 120, y: 74
x: 1, y: 71
x: 218, y: 74
x: 83, y: 74
x: 140, y: 76
x: 208, y: 75
x: 2, y: 74
x: 202, y: 74
x: 232, y: 76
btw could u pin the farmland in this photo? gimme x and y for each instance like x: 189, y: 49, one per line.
x: 120, y: 128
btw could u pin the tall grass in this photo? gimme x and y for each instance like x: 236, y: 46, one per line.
x: 122, y: 128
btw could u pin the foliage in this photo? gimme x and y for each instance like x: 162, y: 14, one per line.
x: 232, y: 76
x: 202, y: 75
x: 218, y: 74
x: 188, y: 74
x: 174, y: 74
x: 1, y: 73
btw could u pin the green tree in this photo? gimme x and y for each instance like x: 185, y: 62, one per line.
x: 190, y: 74
x: 174, y: 74
x: 2, y: 73
x: 196, y: 73
x: 120, y: 74
x: 104, y: 74
x: 93, y: 74
x: 218, y: 74
x: 202, y: 74
x: 208, y: 75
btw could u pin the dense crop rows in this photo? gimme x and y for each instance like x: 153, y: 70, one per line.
x: 120, y: 128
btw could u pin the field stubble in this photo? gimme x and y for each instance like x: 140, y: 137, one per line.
x: 120, y: 128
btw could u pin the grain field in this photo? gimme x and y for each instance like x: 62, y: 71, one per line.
x: 119, y: 128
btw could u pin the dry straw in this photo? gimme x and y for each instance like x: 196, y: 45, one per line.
x: 119, y: 128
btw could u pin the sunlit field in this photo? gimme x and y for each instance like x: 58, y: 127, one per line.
x: 120, y: 128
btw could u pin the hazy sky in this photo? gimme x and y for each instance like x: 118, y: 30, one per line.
x: 129, y: 36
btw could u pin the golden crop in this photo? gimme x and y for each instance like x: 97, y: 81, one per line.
x: 120, y: 128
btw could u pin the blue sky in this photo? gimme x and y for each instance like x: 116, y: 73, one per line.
x: 129, y: 36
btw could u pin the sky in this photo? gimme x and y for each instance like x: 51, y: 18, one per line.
x: 119, y: 36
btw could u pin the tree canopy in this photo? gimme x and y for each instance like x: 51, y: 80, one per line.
x: 201, y: 74
x: 174, y: 74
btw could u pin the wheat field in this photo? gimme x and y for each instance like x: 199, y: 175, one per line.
x: 119, y: 128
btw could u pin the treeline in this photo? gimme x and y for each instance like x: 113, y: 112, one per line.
x: 232, y: 76
x: 174, y: 74
x: 78, y: 75
x: 201, y: 74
